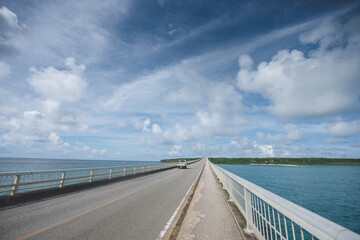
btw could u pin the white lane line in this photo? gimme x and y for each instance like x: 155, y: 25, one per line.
x: 163, y: 232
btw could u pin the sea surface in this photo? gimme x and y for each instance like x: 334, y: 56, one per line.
x: 32, y: 164
x: 332, y: 192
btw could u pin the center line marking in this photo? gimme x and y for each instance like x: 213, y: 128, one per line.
x: 86, y: 212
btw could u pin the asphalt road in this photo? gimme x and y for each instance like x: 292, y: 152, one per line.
x: 137, y: 208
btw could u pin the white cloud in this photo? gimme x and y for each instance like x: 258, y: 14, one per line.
x: 248, y: 148
x: 32, y: 115
x: 56, y: 141
x: 245, y: 62
x: 293, y: 134
x: 182, y: 105
x: 9, y: 30
x: 176, y: 150
x: 32, y: 129
x: 202, y: 149
x: 265, y: 150
x: 130, y: 96
x: 143, y: 125
x: 37, y: 121
x: 97, y: 152
x: 72, y: 28
x: 9, y: 20
x: 211, y: 108
x: 345, y: 129
x: 82, y: 149
x: 325, y: 34
x: 62, y: 86
x: 299, y: 86
x: 10, y: 33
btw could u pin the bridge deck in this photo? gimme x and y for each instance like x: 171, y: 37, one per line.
x: 138, y: 208
x: 208, y: 216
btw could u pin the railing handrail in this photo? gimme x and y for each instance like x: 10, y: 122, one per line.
x: 13, y: 183
x: 77, y: 169
x: 318, y: 226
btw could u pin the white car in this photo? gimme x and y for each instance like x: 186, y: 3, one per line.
x: 182, y: 164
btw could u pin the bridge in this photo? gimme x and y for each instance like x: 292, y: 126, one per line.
x: 159, y: 201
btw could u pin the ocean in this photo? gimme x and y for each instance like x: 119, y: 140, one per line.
x: 331, y: 192
x: 34, y: 164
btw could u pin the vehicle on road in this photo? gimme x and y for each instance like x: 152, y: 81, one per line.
x: 182, y: 164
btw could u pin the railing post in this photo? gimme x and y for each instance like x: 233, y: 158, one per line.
x: 124, y: 172
x: 110, y: 173
x: 149, y: 168
x: 230, y: 190
x: 91, y: 175
x: 134, y: 170
x: 248, y: 210
x: 143, y: 169
x: 62, y: 179
x: 16, y: 185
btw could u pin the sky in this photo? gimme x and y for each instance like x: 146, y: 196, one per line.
x: 155, y: 79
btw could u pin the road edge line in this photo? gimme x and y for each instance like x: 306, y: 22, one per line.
x: 180, y: 212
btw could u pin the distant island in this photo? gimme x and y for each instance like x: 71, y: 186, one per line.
x: 289, y: 161
x: 281, y: 161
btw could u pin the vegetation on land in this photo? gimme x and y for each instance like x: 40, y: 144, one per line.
x: 177, y: 159
x: 289, y: 161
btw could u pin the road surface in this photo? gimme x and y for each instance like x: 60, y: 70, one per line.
x: 137, y: 208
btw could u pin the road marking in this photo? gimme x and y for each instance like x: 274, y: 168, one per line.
x: 87, y: 211
x: 166, y: 228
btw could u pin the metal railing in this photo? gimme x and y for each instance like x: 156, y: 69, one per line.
x: 272, y: 217
x: 12, y: 184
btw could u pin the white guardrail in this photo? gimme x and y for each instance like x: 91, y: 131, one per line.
x: 12, y: 184
x: 272, y: 217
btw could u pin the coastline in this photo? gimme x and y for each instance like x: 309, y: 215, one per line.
x: 278, y: 165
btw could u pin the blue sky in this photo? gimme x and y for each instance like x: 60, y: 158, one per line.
x: 147, y: 80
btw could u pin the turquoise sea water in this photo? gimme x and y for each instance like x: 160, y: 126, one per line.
x: 332, y: 192
x: 27, y: 164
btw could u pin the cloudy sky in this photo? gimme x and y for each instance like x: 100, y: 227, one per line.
x: 147, y: 80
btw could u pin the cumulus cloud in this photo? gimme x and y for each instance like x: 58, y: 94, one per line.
x: 51, y: 114
x: 245, y: 147
x: 202, y: 149
x: 31, y: 130
x: 82, y: 149
x: 56, y: 141
x: 58, y: 90
x: 300, y: 86
x: 216, y: 107
x: 207, y: 108
x: 97, y: 152
x: 59, y: 85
